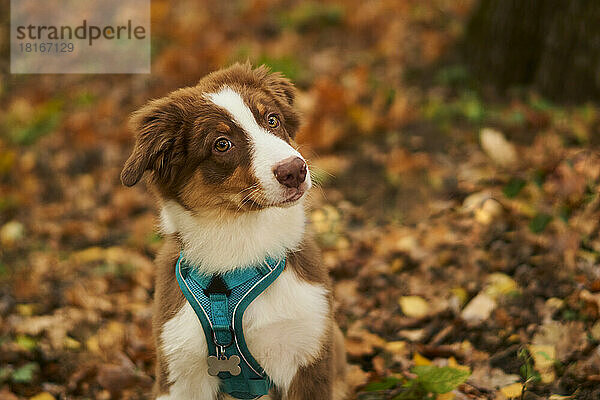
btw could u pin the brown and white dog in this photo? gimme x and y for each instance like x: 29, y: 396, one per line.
x: 231, y: 188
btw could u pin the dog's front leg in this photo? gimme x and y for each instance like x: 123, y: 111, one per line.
x: 312, y: 382
x: 192, y: 388
x: 182, y: 369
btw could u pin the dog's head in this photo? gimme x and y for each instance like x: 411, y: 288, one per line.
x: 223, y: 144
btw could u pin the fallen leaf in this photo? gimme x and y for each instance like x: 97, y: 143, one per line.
x: 489, y: 211
x: 475, y: 200
x: 495, y: 145
x: 6, y: 394
x: 454, y: 364
x: 478, y: 309
x: 26, y: 373
x: 420, y: 360
x: 499, y: 284
x: 439, y: 379
x: 378, y: 365
x: 595, y: 331
x: 116, y: 378
x: 414, y: 306
x: 396, y: 347
x: 26, y: 310
x: 11, y: 233
x: 489, y: 378
x: 543, y: 359
x: 512, y: 391
x: 414, y: 335
x: 566, y: 338
x: 361, y: 342
x: 355, y: 376
x: 42, y: 396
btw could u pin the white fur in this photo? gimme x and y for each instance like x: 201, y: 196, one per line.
x: 268, y: 149
x: 184, y: 347
x: 283, y: 327
x: 220, y: 243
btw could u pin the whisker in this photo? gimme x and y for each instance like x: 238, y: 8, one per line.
x: 247, y: 198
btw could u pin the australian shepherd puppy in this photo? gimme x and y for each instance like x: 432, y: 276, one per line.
x: 231, y: 187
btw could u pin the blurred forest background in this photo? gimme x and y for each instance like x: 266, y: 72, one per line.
x: 456, y: 145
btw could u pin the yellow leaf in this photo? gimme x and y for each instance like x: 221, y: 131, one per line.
x: 543, y: 359
x: 461, y: 294
x: 26, y: 310
x: 420, y: 360
x: 500, y: 284
x: 513, y: 390
x: 514, y: 338
x: 595, y: 331
x: 92, y: 344
x: 11, y: 233
x: 414, y: 306
x: 397, y: 347
x: 71, y: 343
x: 42, y: 396
x: 454, y: 364
x: 91, y: 254
x: 445, y: 396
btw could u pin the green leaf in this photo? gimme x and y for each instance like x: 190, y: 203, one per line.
x: 312, y: 14
x: 439, y: 379
x: 564, y: 213
x: 539, y: 177
x: 25, y: 373
x: 5, y: 373
x: 387, y: 383
x: 412, y: 391
x: 289, y: 66
x: 44, y: 120
x: 513, y: 187
x: 539, y: 222
x: 26, y: 342
x: 545, y: 355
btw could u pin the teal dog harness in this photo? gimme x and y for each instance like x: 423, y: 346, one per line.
x: 219, y: 301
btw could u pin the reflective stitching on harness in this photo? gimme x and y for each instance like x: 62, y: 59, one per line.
x: 178, y: 270
x: 235, y: 311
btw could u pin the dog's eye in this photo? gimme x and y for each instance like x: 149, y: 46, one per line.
x: 273, y: 121
x: 222, y: 145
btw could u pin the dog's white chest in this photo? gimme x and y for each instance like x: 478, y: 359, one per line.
x: 283, y: 328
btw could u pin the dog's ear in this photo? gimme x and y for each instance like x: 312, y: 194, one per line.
x: 285, y: 91
x: 158, y: 128
x: 282, y: 87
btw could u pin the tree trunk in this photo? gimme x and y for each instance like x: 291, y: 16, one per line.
x: 550, y: 45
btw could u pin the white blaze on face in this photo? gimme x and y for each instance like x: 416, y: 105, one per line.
x: 267, y: 149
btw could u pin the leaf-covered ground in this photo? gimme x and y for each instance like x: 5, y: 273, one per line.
x: 461, y: 229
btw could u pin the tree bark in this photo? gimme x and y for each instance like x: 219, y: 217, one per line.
x: 550, y: 45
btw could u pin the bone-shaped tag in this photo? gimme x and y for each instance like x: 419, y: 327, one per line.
x: 231, y: 365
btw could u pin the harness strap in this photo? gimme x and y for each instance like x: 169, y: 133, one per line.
x: 218, y: 307
x: 219, y: 301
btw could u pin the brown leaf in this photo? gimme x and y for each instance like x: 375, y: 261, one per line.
x: 566, y: 337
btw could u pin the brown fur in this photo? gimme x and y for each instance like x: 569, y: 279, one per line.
x: 168, y: 300
x: 174, y: 138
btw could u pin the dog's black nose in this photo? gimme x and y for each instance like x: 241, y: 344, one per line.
x: 290, y: 172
